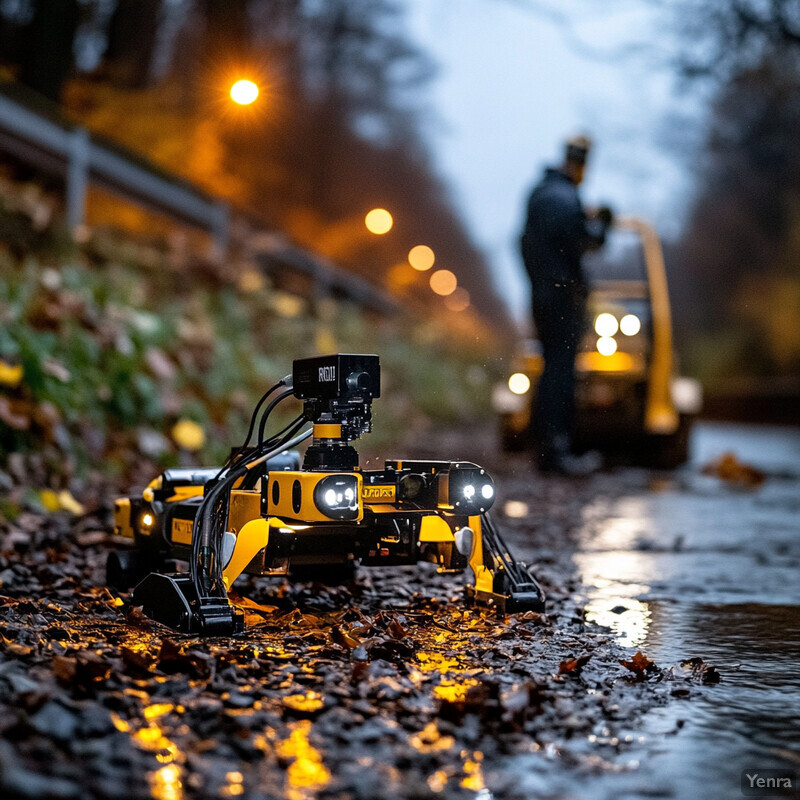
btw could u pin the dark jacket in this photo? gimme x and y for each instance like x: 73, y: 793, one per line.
x: 557, y: 233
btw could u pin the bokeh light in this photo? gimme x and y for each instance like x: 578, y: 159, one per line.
x: 519, y: 383
x: 606, y: 324
x: 421, y: 257
x: 458, y: 300
x: 379, y: 221
x: 630, y: 325
x: 606, y: 346
x: 244, y: 92
x: 443, y: 282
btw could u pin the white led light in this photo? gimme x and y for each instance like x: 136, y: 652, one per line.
x: 349, y: 495
x: 606, y: 346
x: 469, y: 491
x: 630, y: 325
x: 330, y: 497
x: 519, y: 383
x: 606, y: 324
x: 487, y: 490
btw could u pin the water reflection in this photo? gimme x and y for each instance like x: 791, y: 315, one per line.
x: 626, y: 617
x: 617, y: 574
x: 166, y: 783
x: 234, y: 785
x: 307, y: 774
x: 473, y: 775
x: 454, y: 691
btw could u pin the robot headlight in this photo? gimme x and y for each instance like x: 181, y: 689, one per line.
x: 336, y: 496
x: 146, y: 522
x: 470, y: 490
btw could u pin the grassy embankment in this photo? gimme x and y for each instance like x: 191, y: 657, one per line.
x: 116, y: 360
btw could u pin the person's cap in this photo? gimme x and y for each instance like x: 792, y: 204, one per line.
x: 577, y: 149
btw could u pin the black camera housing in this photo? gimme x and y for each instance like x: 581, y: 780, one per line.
x: 344, y: 377
x: 337, y: 393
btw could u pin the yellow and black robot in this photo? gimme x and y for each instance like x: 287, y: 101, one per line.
x: 264, y: 515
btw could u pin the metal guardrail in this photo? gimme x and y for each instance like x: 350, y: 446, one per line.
x: 69, y: 151
x: 273, y: 251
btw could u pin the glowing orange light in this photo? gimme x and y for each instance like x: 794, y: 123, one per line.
x: 443, y: 282
x: 379, y: 221
x: 458, y: 300
x: 244, y: 92
x: 421, y: 257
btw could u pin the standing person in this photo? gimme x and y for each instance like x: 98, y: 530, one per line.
x: 556, y: 235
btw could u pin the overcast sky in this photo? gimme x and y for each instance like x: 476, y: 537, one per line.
x: 513, y: 84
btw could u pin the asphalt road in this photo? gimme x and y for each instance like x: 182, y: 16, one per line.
x: 691, y: 564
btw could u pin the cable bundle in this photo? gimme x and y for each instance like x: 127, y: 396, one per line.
x: 212, y: 516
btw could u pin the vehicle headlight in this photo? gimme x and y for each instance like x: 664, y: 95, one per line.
x: 470, y: 490
x: 519, y: 383
x: 336, y: 496
x: 605, y: 324
x: 630, y: 325
x: 606, y: 346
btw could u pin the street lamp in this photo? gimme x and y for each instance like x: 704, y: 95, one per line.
x: 244, y: 92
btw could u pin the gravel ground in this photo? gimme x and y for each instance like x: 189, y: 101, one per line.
x: 389, y: 687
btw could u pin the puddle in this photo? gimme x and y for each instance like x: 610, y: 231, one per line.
x: 699, y: 568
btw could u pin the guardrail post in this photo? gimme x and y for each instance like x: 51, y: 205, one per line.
x: 220, y: 231
x: 77, y: 177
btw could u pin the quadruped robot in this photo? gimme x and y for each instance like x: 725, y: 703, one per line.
x: 262, y: 514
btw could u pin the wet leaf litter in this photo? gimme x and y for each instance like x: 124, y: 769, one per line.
x: 386, y: 687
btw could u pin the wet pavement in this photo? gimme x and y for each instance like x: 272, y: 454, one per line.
x: 692, y: 564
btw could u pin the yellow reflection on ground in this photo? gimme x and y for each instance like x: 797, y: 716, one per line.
x: 432, y: 661
x: 157, y: 710
x: 166, y: 783
x: 153, y: 740
x: 454, y: 691
x: 438, y: 781
x: 233, y: 785
x: 306, y: 775
x: 473, y: 773
x: 309, y: 702
x: 429, y: 740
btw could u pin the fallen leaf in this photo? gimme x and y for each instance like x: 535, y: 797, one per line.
x: 68, y: 503
x: 573, y: 666
x: 343, y: 639
x: 49, y: 500
x: 188, y: 435
x: 728, y: 468
x: 640, y: 665
x: 11, y: 374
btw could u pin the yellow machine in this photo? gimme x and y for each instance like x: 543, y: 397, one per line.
x: 264, y: 515
x: 629, y: 396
